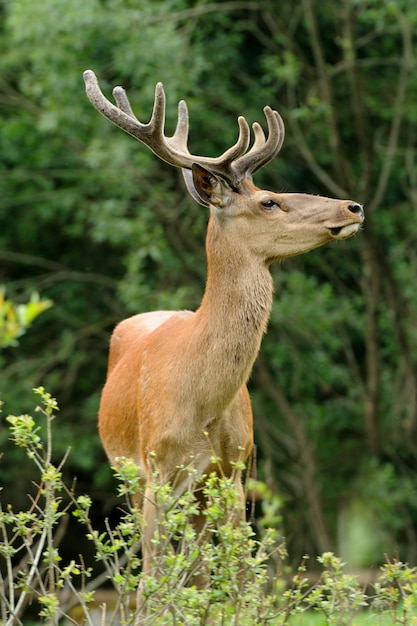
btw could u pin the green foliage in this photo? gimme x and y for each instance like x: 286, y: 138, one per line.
x: 235, y: 559
x: 15, y: 319
x: 339, y: 595
x: 241, y: 589
x: 396, y: 592
x: 94, y: 223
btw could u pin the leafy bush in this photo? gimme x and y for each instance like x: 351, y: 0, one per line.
x: 15, y: 319
x: 241, y: 588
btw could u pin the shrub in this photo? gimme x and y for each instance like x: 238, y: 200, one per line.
x: 241, y: 588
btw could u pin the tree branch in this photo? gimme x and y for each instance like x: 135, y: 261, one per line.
x: 405, y: 69
x: 372, y: 297
x: 326, y: 93
x: 305, y: 450
x: 357, y: 100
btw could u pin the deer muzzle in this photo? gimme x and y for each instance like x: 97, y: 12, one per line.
x: 354, y: 211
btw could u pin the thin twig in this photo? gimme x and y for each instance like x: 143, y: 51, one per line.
x: 390, y: 151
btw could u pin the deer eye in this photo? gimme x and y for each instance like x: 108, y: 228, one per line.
x: 270, y: 204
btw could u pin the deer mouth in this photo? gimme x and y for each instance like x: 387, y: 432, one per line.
x: 343, y: 232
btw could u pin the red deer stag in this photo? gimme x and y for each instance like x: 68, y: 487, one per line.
x: 176, y: 380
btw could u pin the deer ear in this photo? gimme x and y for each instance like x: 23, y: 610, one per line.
x: 205, y: 187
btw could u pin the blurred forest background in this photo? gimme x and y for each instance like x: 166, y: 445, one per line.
x: 91, y: 220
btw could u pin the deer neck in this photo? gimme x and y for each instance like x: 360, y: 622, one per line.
x: 233, y: 315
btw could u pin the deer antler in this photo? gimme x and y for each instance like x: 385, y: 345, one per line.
x: 235, y: 164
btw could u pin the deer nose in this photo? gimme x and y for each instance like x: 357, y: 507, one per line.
x: 355, y: 208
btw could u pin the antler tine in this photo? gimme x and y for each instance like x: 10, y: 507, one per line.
x: 179, y: 140
x: 281, y: 132
x: 259, y: 136
x: 117, y: 115
x: 239, y: 148
x: 157, y: 122
x: 263, y: 150
x: 221, y: 165
x: 122, y: 101
x: 151, y: 134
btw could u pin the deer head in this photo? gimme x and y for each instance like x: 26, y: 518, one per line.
x: 279, y: 225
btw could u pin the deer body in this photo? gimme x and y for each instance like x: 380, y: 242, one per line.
x: 185, y: 373
x: 176, y: 381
